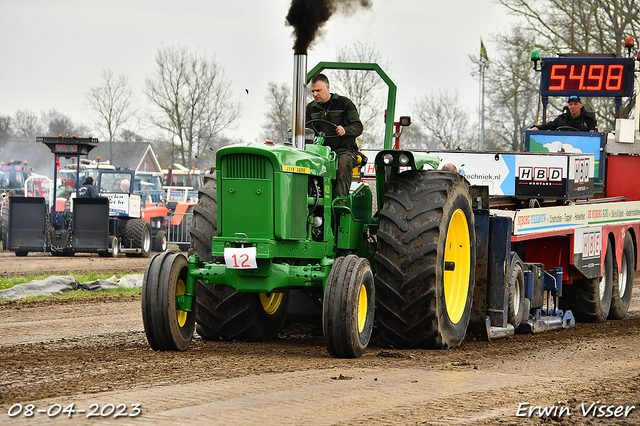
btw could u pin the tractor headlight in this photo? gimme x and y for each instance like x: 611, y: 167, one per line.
x: 403, y: 159
x: 387, y: 159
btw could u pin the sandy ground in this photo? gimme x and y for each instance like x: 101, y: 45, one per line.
x: 93, y: 354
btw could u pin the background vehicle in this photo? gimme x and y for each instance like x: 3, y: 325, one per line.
x: 104, y: 225
x: 437, y: 257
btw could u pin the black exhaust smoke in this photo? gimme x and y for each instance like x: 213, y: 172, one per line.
x: 308, y: 16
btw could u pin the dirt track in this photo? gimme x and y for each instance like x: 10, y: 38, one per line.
x: 81, y: 263
x: 96, y: 353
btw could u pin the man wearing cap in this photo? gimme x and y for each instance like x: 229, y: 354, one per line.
x: 574, y: 115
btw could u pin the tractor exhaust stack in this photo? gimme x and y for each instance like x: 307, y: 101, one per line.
x: 299, y: 104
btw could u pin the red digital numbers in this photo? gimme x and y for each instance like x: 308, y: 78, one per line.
x: 63, y: 148
x: 586, y: 77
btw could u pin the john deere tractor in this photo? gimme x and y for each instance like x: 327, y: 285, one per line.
x: 267, y: 223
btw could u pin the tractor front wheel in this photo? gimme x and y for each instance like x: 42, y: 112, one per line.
x: 348, y: 307
x: 160, y: 242
x: 167, y: 327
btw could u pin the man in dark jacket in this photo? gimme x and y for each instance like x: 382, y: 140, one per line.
x: 574, y: 115
x: 341, y: 136
x: 88, y: 190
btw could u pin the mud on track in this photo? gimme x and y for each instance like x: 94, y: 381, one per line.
x: 96, y: 353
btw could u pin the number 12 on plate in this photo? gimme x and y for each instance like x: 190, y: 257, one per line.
x: 240, y: 258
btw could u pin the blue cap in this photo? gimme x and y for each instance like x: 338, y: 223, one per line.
x: 574, y: 98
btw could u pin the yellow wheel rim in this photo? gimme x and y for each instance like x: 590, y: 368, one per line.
x: 457, y: 258
x: 271, y: 302
x: 362, y: 308
x: 180, y: 314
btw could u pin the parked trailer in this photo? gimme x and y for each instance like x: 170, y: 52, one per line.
x: 436, y: 259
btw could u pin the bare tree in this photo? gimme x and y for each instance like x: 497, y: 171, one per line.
x: 366, y: 89
x: 278, y: 117
x: 113, y: 103
x: 581, y: 26
x: 5, y: 129
x: 25, y: 124
x: 56, y: 123
x: 192, y: 95
x: 511, y: 88
x: 445, y: 121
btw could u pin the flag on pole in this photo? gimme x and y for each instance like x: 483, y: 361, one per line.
x: 483, y: 54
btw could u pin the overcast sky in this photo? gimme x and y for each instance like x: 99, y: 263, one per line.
x: 53, y: 52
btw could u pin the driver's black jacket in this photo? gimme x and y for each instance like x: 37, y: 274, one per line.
x: 584, y: 122
x: 340, y: 111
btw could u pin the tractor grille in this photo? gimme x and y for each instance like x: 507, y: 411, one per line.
x: 246, y: 166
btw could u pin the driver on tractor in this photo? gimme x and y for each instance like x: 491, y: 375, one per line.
x: 339, y: 136
x: 574, y: 117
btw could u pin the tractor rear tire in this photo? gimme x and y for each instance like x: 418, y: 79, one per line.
x: 590, y: 299
x: 623, y: 281
x: 167, y: 328
x: 205, y: 219
x: 348, y: 307
x: 224, y: 313
x: 425, y: 260
x: 137, y: 234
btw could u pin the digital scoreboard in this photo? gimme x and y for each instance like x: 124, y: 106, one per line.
x: 589, y: 77
x: 69, y: 146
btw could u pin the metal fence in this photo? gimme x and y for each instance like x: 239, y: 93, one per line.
x: 178, y: 226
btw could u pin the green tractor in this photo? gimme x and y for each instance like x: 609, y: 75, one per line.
x: 266, y: 223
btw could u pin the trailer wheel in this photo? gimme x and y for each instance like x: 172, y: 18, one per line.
x: 21, y: 253
x: 160, y: 241
x: 590, y: 299
x: 623, y: 281
x: 137, y: 234
x: 167, y: 327
x: 516, y: 291
x: 425, y: 260
x: 348, y: 307
x: 224, y: 313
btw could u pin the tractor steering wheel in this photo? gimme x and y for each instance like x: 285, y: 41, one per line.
x: 567, y: 128
x: 316, y: 131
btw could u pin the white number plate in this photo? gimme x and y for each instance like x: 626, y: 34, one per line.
x: 240, y: 258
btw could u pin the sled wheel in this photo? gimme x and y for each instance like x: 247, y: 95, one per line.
x: 160, y: 242
x: 137, y: 234
x: 516, y: 291
x: 425, y: 260
x: 623, y: 281
x: 590, y: 299
x: 348, y: 307
x: 167, y: 327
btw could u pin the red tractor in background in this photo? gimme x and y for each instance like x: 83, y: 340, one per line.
x: 181, y: 187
